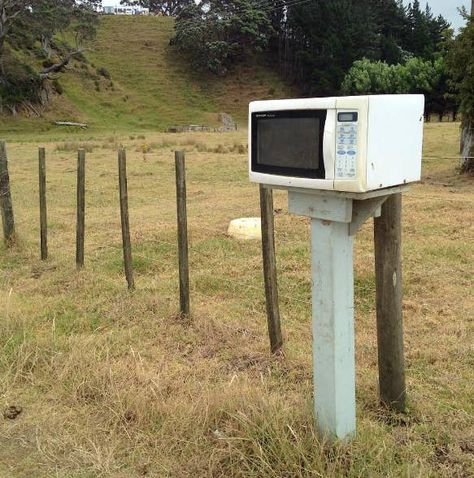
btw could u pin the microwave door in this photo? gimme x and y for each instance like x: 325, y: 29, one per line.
x: 329, y: 145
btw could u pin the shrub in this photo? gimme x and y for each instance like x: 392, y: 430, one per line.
x: 19, y: 84
x: 104, y: 72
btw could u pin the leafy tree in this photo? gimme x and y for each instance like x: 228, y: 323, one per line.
x: 218, y: 33
x: 461, y: 64
x: 25, y: 24
x: 168, y: 8
x: 416, y: 76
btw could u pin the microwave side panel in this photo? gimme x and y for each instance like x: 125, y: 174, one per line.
x: 395, y: 140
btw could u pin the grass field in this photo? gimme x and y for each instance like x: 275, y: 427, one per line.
x: 113, y: 384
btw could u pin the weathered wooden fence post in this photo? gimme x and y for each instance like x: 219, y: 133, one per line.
x: 127, y: 247
x: 182, y: 233
x: 6, y: 206
x: 81, y: 207
x: 388, y: 268
x: 42, y: 204
x: 269, y: 269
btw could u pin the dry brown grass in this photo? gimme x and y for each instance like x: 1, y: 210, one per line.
x: 113, y: 384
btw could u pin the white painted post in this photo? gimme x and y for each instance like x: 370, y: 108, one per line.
x: 332, y: 247
x: 333, y: 328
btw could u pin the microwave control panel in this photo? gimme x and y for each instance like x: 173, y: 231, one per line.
x: 346, y: 144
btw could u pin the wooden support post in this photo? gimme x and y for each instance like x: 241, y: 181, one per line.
x: 388, y: 269
x: 42, y: 204
x: 81, y: 207
x: 6, y: 206
x: 182, y: 233
x: 127, y: 247
x: 270, y: 270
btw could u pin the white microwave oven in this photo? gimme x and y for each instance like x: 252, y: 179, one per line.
x: 351, y: 144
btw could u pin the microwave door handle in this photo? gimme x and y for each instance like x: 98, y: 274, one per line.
x: 329, y: 144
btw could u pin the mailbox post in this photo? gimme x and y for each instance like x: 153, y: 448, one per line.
x: 335, y: 219
x: 340, y: 159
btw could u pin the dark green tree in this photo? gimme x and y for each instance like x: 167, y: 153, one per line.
x: 391, y: 23
x: 326, y: 38
x: 423, y: 32
x: 217, y: 33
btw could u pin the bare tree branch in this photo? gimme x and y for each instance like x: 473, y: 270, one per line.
x: 58, y: 67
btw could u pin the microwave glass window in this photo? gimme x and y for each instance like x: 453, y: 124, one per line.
x: 289, y: 142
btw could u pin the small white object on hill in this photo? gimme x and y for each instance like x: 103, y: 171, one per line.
x: 246, y: 228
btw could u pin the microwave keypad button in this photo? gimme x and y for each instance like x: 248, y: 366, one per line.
x: 346, y: 159
x: 346, y: 149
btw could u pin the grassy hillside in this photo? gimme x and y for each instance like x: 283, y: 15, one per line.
x: 113, y: 384
x: 149, y: 87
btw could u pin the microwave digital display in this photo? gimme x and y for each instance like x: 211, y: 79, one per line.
x: 347, y: 117
x: 289, y: 143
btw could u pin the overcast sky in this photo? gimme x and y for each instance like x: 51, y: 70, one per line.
x: 447, y: 8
